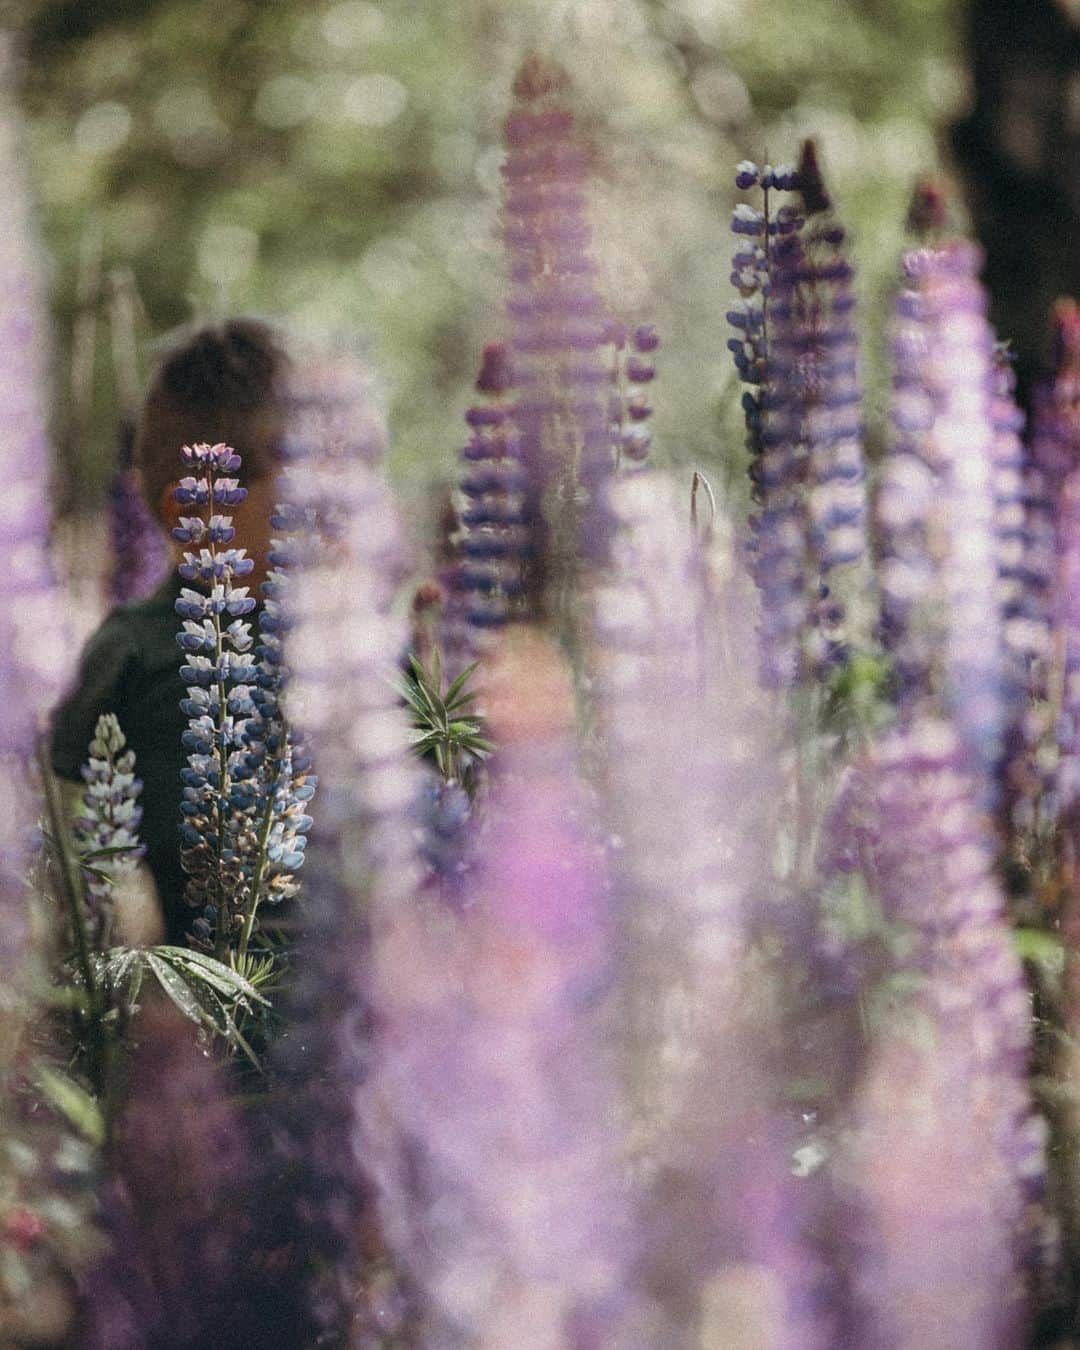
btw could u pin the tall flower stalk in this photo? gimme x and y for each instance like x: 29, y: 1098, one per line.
x: 33, y: 648
x: 344, y: 647
x: 557, y: 330
x: 937, y: 511
x: 954, y: 1067
x: 490, y: 583
x: 218, y: 672
x: 107, y: 834
x: 633, y: 364
x: 684, y: 740
x: 174, y: 1204
x: 796, y: 346
x: 494, y: 1115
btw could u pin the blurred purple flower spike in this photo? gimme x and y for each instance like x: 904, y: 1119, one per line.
x: 555, y: 312
x: 343, y: 647
x: 491, y: 581
x: 938, y: 510
x: 685, y: 738
x: 34, y: 653
x: 796, y: 346
x: 949, y: 1156
x: 176, y: 1204
x: 1068, y: 619
x: 496, y: 1122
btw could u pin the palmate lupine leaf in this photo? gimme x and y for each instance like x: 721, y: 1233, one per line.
x: 208, y: 992
x: 442, y: 726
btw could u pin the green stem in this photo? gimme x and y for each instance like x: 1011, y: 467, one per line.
x: 221, y: 796
x: 260, y: 867
x: 71, y: 888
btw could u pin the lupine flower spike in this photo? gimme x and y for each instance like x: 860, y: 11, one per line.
x: 795, y: 345
x: 490, y: 583
x: 717, y: 1143
x: 110, y: 822
x: 494, y: 1114
x: 1023, y: 567
x: 1055, y: 456
x: 33, y: 649
x: 219, y: 671
x: 344, y: 647
x: 778, y: 534
x: 949, y: 1148
x: 940, y: 618
x: 633, y: 368
x: 555, y: 313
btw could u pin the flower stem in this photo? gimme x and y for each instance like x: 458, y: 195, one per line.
x: 260, y: 868
x: 71, y: 888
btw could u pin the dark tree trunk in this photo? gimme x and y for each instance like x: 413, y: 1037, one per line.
x: 1019, y: 150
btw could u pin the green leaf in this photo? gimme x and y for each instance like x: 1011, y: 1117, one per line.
x: 74, y: 1103
x: 452, y: 694
x: 110, y: 852
x: 213, y: 972
x: 178, y: 990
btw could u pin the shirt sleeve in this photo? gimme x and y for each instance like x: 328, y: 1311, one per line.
x: 104, y: 667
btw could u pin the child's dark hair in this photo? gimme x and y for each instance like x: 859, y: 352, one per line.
x: 223, y: 383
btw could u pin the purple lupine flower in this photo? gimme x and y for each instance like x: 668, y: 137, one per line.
x: 947, y: 1163
x: 34, y: 651
x: 493, y: 1119
x: 343, y: 647
x: 685, y: 738
x: 812, y: 408
x: 937, y: 508
x: 110, y: 820
x: 777, y: 544
x: 314, y: 1195
x: 796, y: 346
x: 1068, y: 619
x: 556, y: 316
x: 1023, y: 579
x: 928, y: 211
x: 218, y: 671
x: 633, y: 367
x: 490, y: 581
x: 1054, y: 455
x: 272, y: 780
x: 176, y: 1204
x: 332, y: 411
x: 960, y: 380
x: 140, y: 551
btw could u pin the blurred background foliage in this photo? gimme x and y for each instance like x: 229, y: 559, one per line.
x: 335, y: 164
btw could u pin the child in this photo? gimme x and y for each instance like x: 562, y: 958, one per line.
x: 222, y: 384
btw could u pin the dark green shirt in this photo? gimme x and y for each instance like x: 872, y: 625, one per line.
x: 131, y: 667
